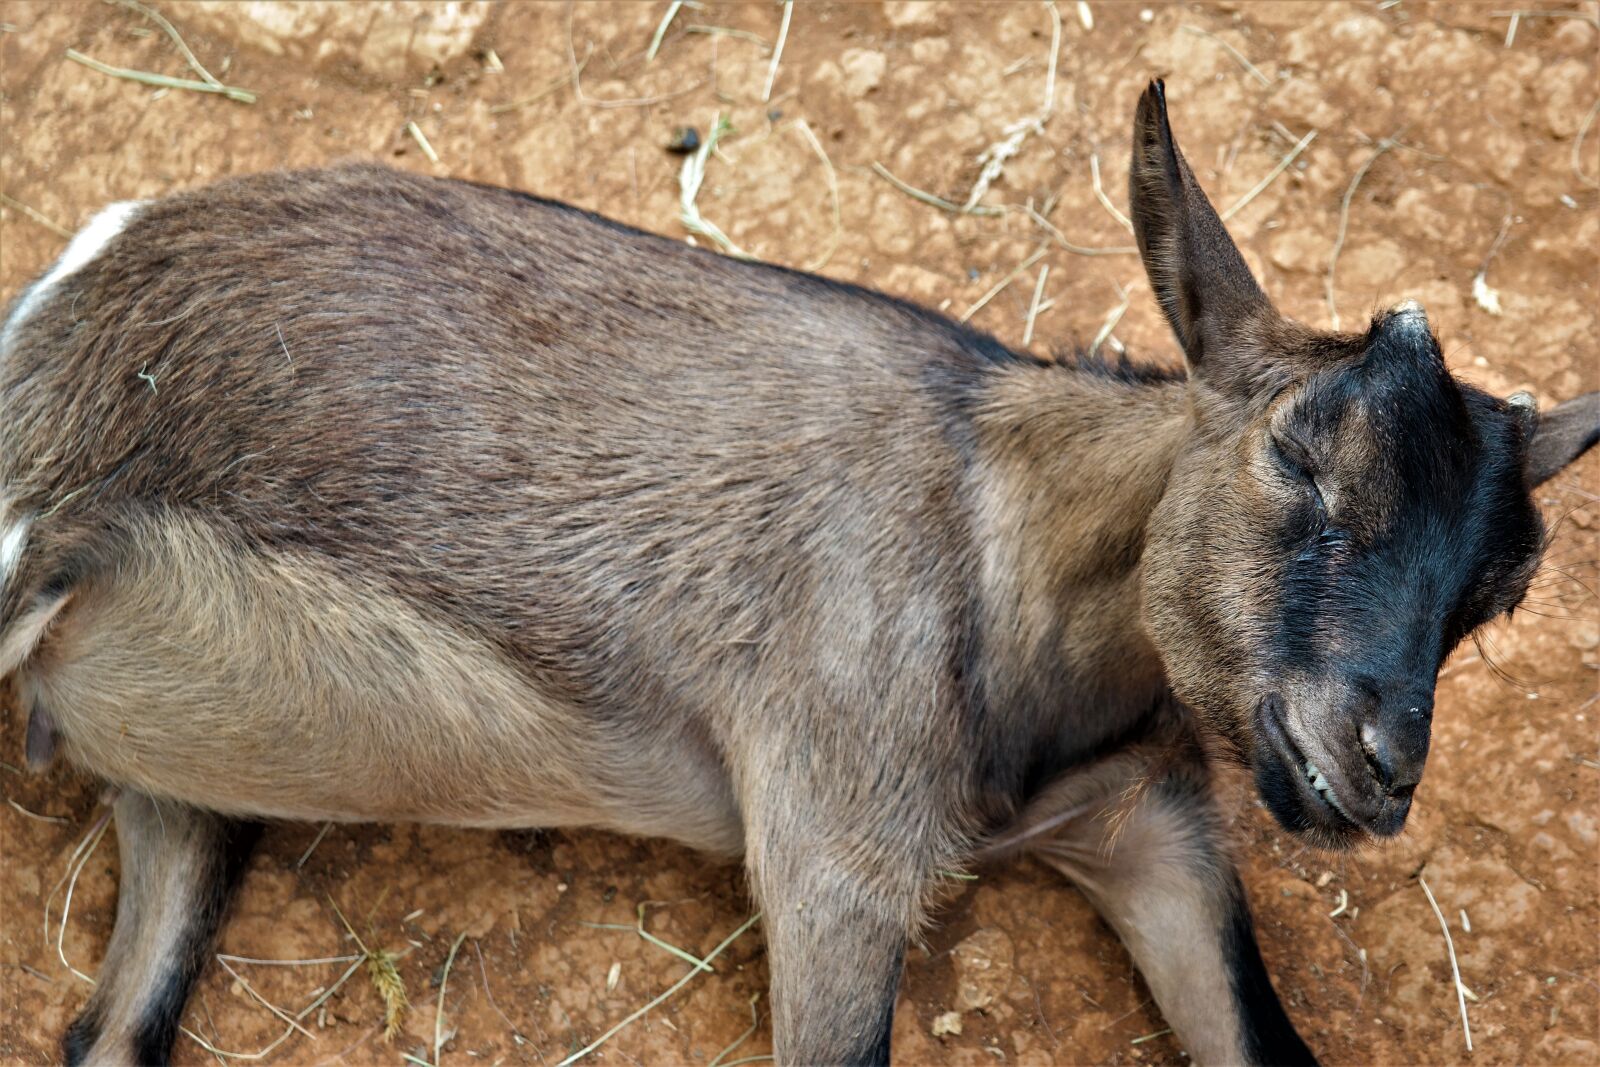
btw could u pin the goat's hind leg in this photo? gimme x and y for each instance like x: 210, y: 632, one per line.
x: 179, y: 868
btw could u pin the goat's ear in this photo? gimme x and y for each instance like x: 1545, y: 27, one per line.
x: 1560, y: 436
x: 1195, y: 270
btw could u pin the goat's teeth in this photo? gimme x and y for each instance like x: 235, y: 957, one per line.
x: 1319, y: 782
x: 1311, y: 770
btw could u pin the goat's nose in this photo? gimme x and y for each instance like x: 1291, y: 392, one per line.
x: 1395, y: 744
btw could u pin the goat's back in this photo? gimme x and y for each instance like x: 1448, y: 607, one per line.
x: 666, y: 486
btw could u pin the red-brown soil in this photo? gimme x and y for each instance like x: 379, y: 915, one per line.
x: 1506, y: 827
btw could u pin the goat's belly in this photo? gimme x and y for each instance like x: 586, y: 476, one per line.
x: 270, y: 686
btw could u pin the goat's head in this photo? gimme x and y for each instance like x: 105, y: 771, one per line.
x: 1344, y: 514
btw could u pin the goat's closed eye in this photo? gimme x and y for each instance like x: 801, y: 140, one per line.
x: 1287, y: 457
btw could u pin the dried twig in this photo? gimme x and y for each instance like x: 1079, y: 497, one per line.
x: 183, y: 48
x: 1455, y: 968
x: 1100, y: 193
x: 661, y: 31
x: 56, y: 819
x: 1000, y: 286
x: 777, y: 49
x: 315, y: 841
x: 690, y: 178
x: 1488, y: 297
x: 438, y: 1012
x: 1577, y: 148
x: 1283, y: 165
x: 1232, y: 51
x: 1112, y: 319
x: 243, y: 96
x: 1033, y: 306
x: 667, y: 994
x: 42, y: 220
x: 422, y: 141
x: 995, y: 156
x: 1344, y: 224
x: 576, y: 70
x: 928, y: 198
x: 555, y: 85
x: 1076, y: 249
x: 833, y: 194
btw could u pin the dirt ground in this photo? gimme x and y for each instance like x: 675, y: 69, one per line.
x: 1490, y: 171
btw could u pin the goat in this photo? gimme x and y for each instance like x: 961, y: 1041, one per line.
x: 356, y: 495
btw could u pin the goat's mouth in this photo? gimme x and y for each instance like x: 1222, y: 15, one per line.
x: 1295, y: 789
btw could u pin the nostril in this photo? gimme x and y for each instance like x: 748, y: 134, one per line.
x: 1376, y: 767
x: 1380, y: 763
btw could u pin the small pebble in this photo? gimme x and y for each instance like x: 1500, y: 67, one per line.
x: 685, y: 139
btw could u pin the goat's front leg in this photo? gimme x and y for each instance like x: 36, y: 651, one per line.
x: 1153, y: 862
x: 179, y: 867
x: 840, y: 856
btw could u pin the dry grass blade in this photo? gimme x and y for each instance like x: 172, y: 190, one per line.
x: 1000, y: 286
x: 1344, y: 224
x: 993, y: 158
x: 576, y: 69
x: 550, y: 88
x: 1076, y: 249
x: 1232, y: 51
x: 177, y: 39
x: 267, y: 1050
x: 75, y: 865
x: 1283, y: 165
x: 667, y: 994
x: 1577, y: 148
x: 1100, y: 193
x: 315, y: 841
x: 1107, y: 327
x: 438, y: 1013
x: 1033, y: 306
x: 928, y: 198
x: 422, y: 142
x: 690, y: 178
x: 725, y: 31
x: 777, y: 49
x: 833, y: 194
x: 661, y: 30
x: 1455, y: 968
x: 55, y: 819
x: 384, y: 973
x: 755, y: 1021
x: 243, y: 96
x: 42, y: 220
x: 244, y: 983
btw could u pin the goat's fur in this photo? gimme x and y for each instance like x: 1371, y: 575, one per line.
x: 355, y: 495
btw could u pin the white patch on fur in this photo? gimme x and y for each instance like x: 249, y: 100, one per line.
x: 81, y: 250
x: 11, y: 545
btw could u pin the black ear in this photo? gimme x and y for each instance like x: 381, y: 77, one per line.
x: 1195, y: 269
x: 1561, y: 435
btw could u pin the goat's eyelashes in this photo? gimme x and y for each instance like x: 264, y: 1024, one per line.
x: 1287, y: 457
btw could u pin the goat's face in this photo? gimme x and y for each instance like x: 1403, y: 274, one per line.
x: 1344, y: 515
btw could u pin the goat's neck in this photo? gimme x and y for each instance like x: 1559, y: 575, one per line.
x: 1073, y: 465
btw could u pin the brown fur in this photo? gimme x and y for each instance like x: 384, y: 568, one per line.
x: 350, y: 494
